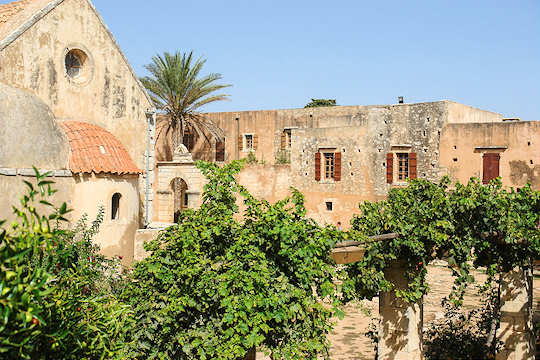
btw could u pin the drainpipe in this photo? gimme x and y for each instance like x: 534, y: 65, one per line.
x: 150, y: 129
x: 236, y: 151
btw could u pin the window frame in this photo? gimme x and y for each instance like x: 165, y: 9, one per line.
x: 115, y: 215
x: 245, y: 144
x: 406, y: 167
x: 329, y: 169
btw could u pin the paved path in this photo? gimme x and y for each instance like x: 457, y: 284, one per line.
x: 348, y: 341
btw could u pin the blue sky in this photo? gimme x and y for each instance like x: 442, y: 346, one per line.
x: 279, y: 54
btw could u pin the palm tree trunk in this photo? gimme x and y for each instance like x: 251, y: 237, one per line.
x: 178, y: 132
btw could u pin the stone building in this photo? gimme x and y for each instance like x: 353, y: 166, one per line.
x: 340, y: 156
x: 71, y: 104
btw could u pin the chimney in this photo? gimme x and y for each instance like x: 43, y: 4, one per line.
x: 400, y: 99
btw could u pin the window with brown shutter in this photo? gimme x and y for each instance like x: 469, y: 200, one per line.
x: 240, y: 143
x: 490, y: 167
x: 337, y: 166
x: 389, y: 168
x: 220, y: 150
x: 318, y: 166
x: 255, y: 142
x: 412, y: 166
x: 329, y: 165
x: 283, y: 140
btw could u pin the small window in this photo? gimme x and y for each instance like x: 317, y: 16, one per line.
x: 115, y: 206
x: 220, y: 150
x: 78, y: 66
x: 329, y: 206
x: 288, y: 135
x: 403, y: 166
x: 186, y: 199
x: 248, y: 138
x: 329, y: 165
x: 73, y: 64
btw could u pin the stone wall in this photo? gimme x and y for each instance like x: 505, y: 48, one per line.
x: 462, y: 147
x: 116, y: 235
x: 164, y: 197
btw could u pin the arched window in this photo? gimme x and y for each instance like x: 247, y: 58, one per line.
x: 115, y: 206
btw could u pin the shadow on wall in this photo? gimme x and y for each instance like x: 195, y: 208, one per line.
x: 521, y: 173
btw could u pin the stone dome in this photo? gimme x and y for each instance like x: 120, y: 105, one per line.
x: 29, y: 134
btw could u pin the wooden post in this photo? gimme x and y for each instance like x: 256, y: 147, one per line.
x: 516, y: 329
x: 400, y: 326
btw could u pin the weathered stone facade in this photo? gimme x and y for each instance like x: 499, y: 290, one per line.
x: 446, y: 138
x: 59, y: 63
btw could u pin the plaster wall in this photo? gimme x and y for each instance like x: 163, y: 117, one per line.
x: 269, y: 182
x: 519, y: 163
x: 460, y: 113
x: 12, y: 188
x: 116, y: 237
x: 112, y: 98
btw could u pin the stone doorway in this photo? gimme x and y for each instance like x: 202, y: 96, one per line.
x: 179, y: 189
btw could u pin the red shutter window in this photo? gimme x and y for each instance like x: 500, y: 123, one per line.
x: 318, y: 166
x: 220, y: 150
x: 490, y: 167
x: 337, y: 166
x: 389, y: 168
x: 412, y: 166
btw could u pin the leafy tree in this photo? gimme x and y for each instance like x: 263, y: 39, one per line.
x: 56, y: 292
x: 215, y: 287
x: 178, y: 89
x: 320, y: 102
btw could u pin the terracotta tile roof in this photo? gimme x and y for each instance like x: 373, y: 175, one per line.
x: 93, y: 149
x: 14, y: 15
x: 10, y: 10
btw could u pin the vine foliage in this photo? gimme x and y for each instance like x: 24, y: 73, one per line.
x: 470, y: 226
x: 215, y: 286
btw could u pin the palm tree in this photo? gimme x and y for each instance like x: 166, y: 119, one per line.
x: 177, y: 89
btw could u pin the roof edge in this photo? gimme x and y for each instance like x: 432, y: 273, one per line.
x: 113, y: 39
x: 29, y: 23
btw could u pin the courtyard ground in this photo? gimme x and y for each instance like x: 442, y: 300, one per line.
x: 349, y: 342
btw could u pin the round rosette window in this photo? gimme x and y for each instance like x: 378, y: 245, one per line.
x: 78, y: 67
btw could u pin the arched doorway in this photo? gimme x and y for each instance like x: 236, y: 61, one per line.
x: 179, y: 190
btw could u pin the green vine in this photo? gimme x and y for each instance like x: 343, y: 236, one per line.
x: 470, y: 226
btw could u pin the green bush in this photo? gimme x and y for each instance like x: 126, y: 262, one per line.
x: 55, y: 299
x: 215, y: 287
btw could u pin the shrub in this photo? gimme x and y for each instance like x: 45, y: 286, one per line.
x: 216, y: 287
x: 53, y: 304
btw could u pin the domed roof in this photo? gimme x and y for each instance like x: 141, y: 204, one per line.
x: 29, y: 134
x: 95, y: 150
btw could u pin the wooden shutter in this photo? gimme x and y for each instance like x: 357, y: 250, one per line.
x: 283, y: 140
x: 220, y: 150
x: 255, y: 142
x: 389, y: 168
x: 337, y: 166
x: 318, y: 166
x: 412, y: 166
x: 240, y: 143
x: 490, y: 167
